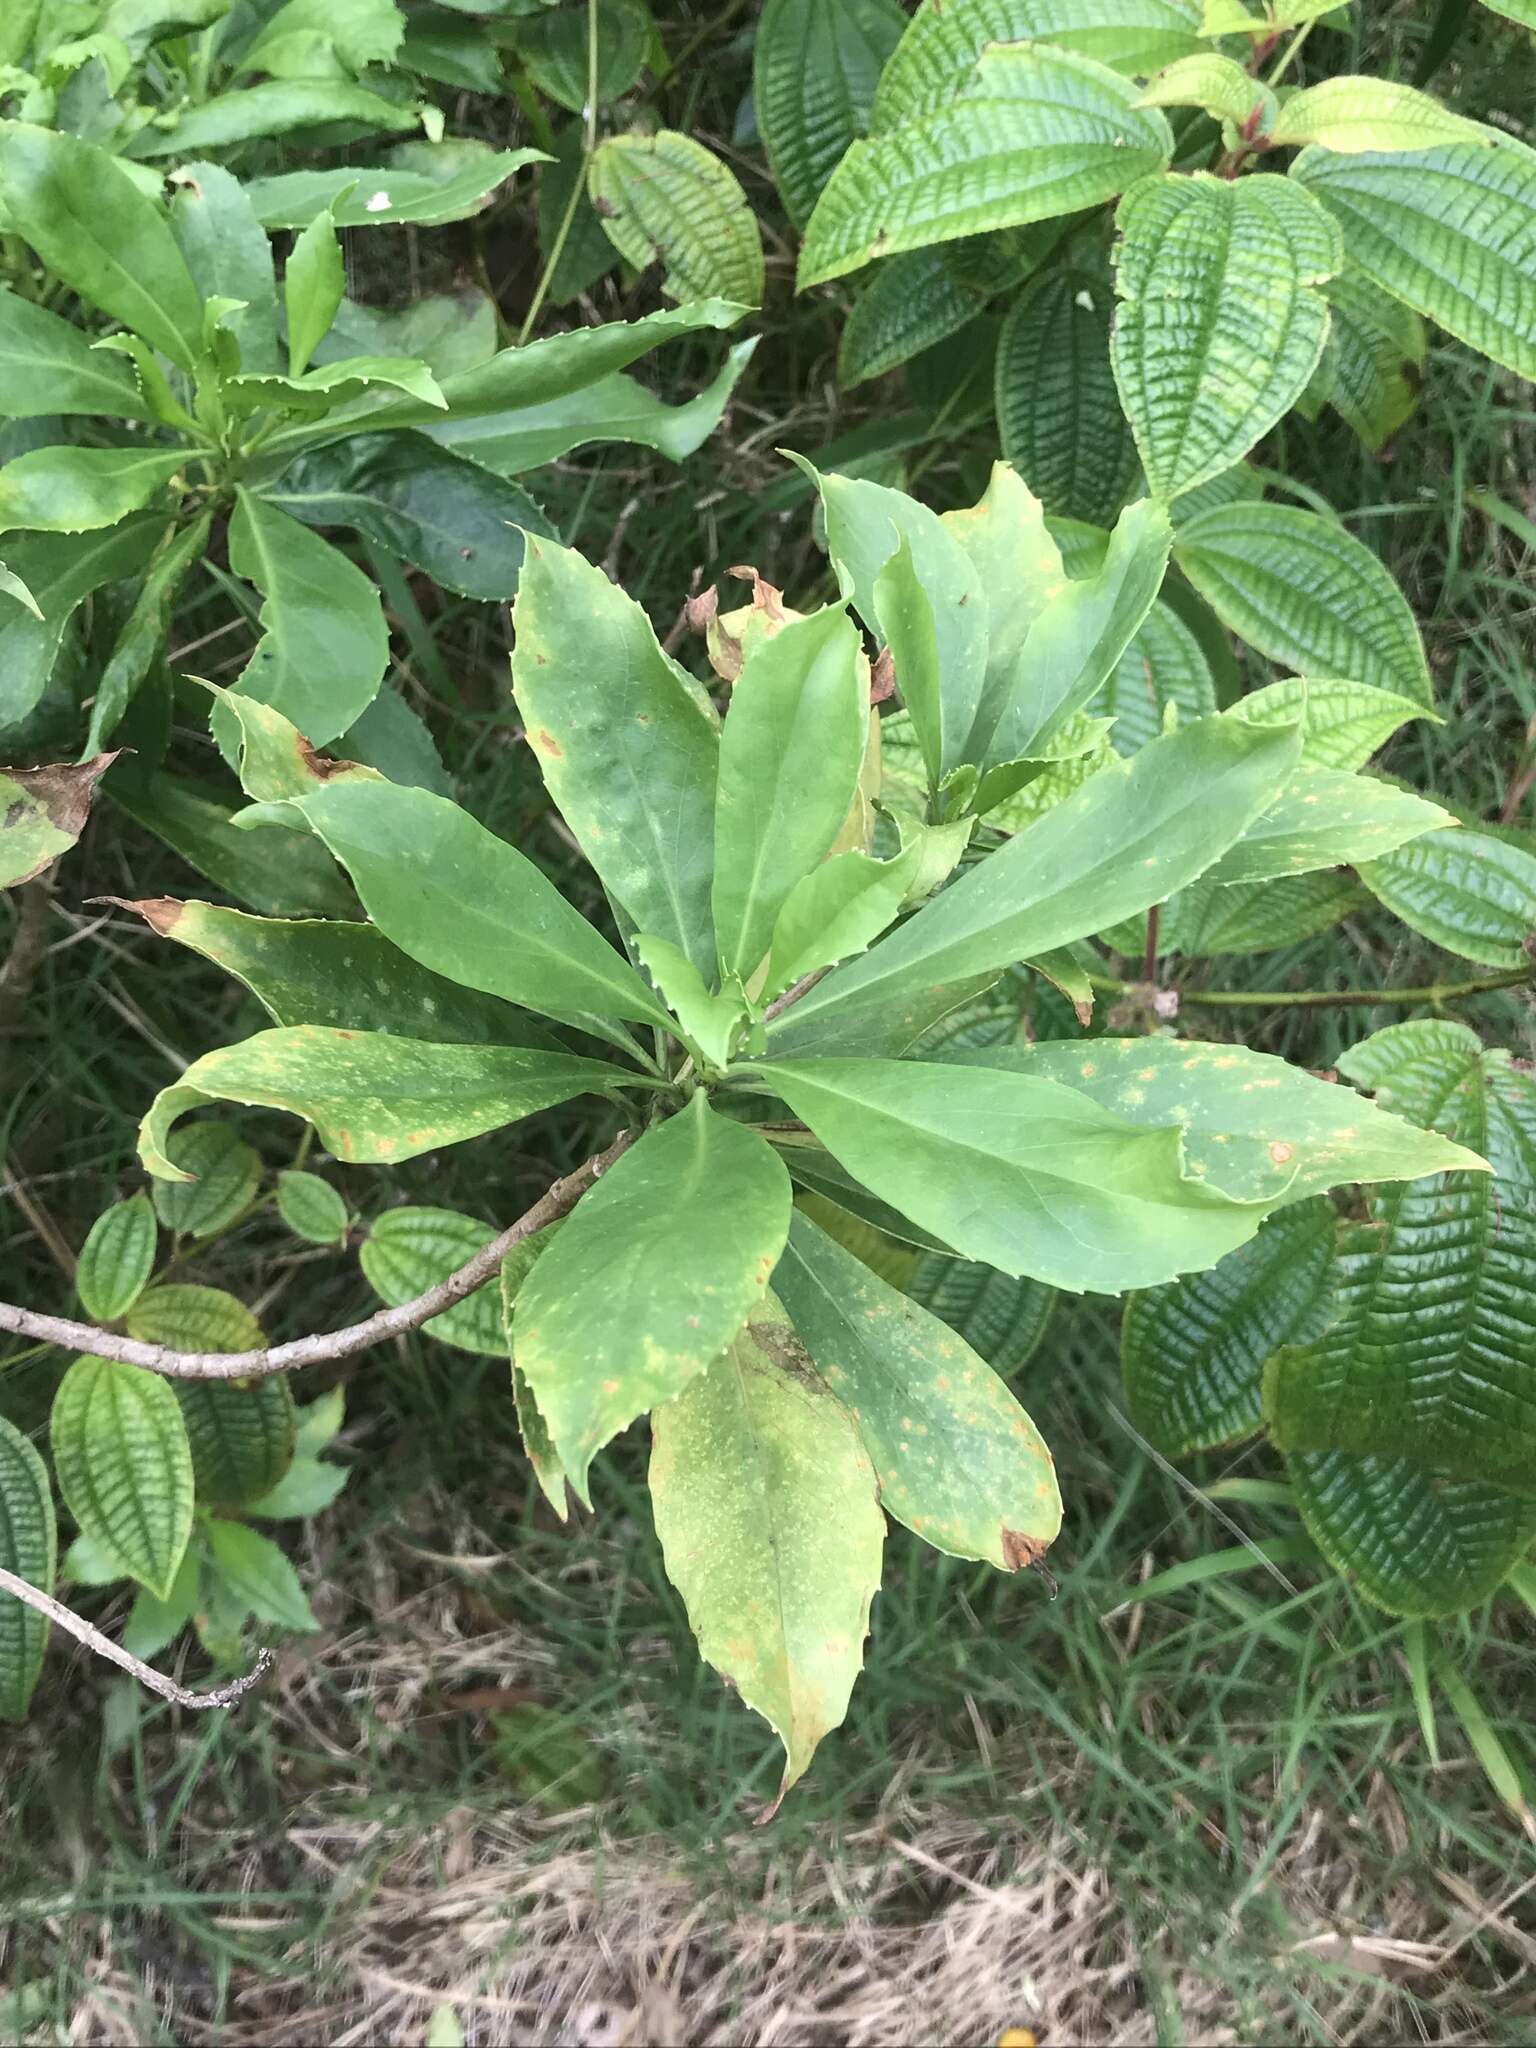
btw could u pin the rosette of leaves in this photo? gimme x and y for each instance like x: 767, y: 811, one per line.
x: 213, y: 402
x: 787, y: 925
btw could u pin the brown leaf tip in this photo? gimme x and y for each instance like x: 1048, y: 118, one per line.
x: 160, y: 913
x: 1026, y: 1553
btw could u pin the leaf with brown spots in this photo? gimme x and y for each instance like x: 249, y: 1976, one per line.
x: 958, y: 1460
x: 42, y: 813
x: 765, y: 1506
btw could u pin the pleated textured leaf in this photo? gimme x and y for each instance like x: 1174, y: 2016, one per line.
x: 1058, y: 411
x: 815, y: 66
x: 29, y: 1548
x: 124, y: 1465
x: 666, y: 198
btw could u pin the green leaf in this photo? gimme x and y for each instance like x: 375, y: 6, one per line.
x: 837, y: 910
x: 1219, y: 330
x: 225, y: 1173
x: 1499, y: 1767
x: 1038, y: 132
x: 1132, y: 835
x: 259, y: 1574
x: 1373, y: 361
x: 373, y: 1097
x: 224, y: 246
x: 1018, y: 1172
x: 194, y: 1319
x: 911, y: 303
x: 1324, y: 818
x: 74, y: 490
x: 1414, y: 1543
x: 586, y: 253
x: 1429, y: 1356
x: 278, y: 872
x: 315, y: 971
x: 99, y: 234
x: 1450, y: 231
x: 1467, y: 891
x: 650, y: 1278
x: 957, y: 1459
x: 765, y: 1506
x: 626, y: 749
x: 152, y: 1623
x: 1304, y: 592
x: 939, y: 52
x: 324, y: 641
x: 117, y: 1259
x: 323, y: 38
x: 1209, y: 918
x: 277, y: 106
x: 666, y: 198
x: 59, y: 570
x: 1193, y: 1352
x: 241, y: 1437
x: 314, y: 285
x: 1353, y: 114
x: 1256, y: 1128
x: 552, y: 44
x: 1058, y: 412
x: 357, y: 198
x: 419, y: 502
x: 143, y: 636
x: 1342, y: 723
x: 29, y: 1549
x: 48, y: 366
x: 463, y: 903
x: 1002, y: 1317
x: 409, y: 1250
x: 449, y: 331
x: 330, y: 385
x: 815, y: 66
x: 311, y: 1207
x: 1218, y: 85
x: 534, y: 1430
x: 42, y: 813
x: 305, y: 1489
x: 790, y: 757
x: 125, y: 1466
x: 1164, y: 664
x: 616, y: 408
x: 710, y: 1023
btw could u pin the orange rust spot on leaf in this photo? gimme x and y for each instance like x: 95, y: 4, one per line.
x: 1280, y: 1152
x: 548, y: 744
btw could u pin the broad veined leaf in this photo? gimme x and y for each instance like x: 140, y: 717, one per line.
x: 74, y: 490
x: 999, y: 1315
x: 311, y: 1207
x: 1430, y: 1355
x: 29, y: 1549
x: 815, y: 66
x: 1210, y: 918
x: 194, y: 1319
x: 324, y: 641
x: 325, y: 971
x: 1353, y: 114
x: 467, y: 905
x: 1342, y: 723
x: 765, y: 1505
x: 1027, y: 1175
x: 666, y: 198
x: 552, y: 41
x: 277, y: 872
x: 1219, y: 328
x: 101, y: 235
x: 1373, y: 360
x: 48, y: 366
x: 370, y: 1096
x: 409, y: 1250
x: 1450, y: 230
x: 124, y: 1465
x: 626, y: 749
x: 939, y: 52
x: 1326, y: 818
x: 1038, y: 132
x: 1132, y: 835
x: 651, y: 1276
x: 1255, y: 1127
x: 117, y: 1259
x: 616, y: 408
x: 957, y: 1459
x: 1193, y: 1352
x: 419, y: 502
x: 1058, y: 412
x: 909, y: 304
x: 259, y: 1575
x: 242, y: 1437
x: 225, y: 247
x: 277, y: 106
x: 223, y: 1174
x: 389, y: 193
x: 59, y: 571
x: 1303, y: 591
x: 790, y: 756
x: 1164, y: 664
x: 1414, y: 1542
x: 42, y: 813
x: 1219, y: 85
x: 1467, y: 891
x: 836, y: 911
